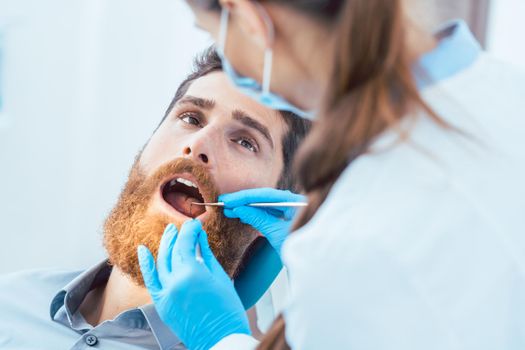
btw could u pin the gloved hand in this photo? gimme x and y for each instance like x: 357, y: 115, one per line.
x: 193, y: 296
x: 273, y: 223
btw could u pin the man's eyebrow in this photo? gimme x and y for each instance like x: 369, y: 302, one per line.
x: 203, y: 103
x: 250, y: 122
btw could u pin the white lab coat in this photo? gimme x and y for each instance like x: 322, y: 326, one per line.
x: 421, y: 245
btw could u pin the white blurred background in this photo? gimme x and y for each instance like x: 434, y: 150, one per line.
x: 83, y: 83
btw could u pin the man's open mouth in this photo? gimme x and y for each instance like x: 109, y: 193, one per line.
x: 180, y: 193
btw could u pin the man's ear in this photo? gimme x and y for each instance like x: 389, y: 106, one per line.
x: 252, y: 20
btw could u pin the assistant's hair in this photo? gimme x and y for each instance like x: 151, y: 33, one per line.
x: 372, y: 89
x: 296, y: 128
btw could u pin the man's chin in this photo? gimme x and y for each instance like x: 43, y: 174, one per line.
x: 121, y: 240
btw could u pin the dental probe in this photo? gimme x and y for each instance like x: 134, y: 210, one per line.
x: 260, y: 205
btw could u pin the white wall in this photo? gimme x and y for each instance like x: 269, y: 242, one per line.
x: 85, y: 82
x: 507, y: 29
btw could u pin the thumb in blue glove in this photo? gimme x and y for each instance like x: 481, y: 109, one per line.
x: 273, y: 223
x: 193, y: 296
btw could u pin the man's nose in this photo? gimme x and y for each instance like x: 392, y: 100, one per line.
x: 199, y: 156
x: 203, y: 146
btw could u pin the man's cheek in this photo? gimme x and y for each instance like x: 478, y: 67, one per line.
x: 163, y: 147
x: 234, y: 184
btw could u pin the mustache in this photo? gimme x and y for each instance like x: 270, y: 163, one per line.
x: 144, y: 186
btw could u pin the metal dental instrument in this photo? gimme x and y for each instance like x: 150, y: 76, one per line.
x: 260, y: 205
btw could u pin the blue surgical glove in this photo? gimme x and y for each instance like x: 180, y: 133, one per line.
x: 273, y: 223
x: 193, y: 296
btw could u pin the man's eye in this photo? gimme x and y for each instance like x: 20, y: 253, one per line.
x: 248, y: 144
x: 190, y: 118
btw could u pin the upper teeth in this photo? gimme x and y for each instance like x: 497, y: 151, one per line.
x: 183, y: 181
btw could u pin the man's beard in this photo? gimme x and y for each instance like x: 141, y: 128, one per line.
x: 131, y: 223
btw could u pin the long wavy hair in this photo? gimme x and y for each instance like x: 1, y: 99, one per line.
x: 372, y: 89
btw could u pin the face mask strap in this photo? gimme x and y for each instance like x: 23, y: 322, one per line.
x: 223, y: 30
x: 267, y: 70
x: 268, y: 52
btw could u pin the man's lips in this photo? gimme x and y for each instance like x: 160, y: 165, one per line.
x: 177, y: 194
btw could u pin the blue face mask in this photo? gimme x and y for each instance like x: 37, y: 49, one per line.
x: 251, y: 87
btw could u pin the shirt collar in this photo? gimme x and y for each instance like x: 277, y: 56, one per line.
x: 457, y: 50
x: 73, y: 294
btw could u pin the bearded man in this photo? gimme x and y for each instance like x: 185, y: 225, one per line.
x: 212, y: 140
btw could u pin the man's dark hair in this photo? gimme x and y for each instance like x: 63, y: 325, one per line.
x: 208, y: 62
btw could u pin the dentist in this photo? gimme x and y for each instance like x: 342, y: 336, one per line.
x: 414, y: 235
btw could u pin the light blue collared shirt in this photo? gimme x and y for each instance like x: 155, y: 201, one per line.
x: 34, y: 316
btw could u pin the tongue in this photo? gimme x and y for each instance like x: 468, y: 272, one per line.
x: 182, y: 203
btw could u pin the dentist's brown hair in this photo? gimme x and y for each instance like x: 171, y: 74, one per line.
x: 372, y: 89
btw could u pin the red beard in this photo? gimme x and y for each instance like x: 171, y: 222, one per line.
x: 131, y: 223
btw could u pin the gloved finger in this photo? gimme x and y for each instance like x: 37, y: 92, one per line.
x: 255, y: 217
x: 185, y: 246
x: 258, y: 195
x: 148, y: 269
x: 209, y: 258
x: 281, y: 213
x: 289, y: 213
x: 165, y: 250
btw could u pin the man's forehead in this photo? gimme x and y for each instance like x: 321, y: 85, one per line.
x: 216, y: 91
